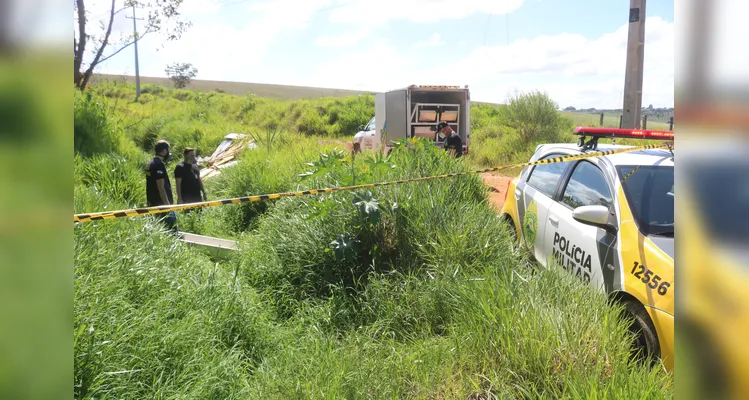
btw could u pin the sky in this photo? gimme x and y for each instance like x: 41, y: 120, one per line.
x: 574, y: 50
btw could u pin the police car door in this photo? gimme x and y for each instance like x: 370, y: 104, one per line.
x: 581, y: 249
x: 534, y: 200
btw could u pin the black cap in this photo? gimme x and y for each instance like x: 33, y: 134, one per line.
x: 440, y: 125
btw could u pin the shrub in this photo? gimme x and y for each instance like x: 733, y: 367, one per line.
x: 156, y: 90
x: 150, y: 133
x: 93, y: 131
x: 535, y: 118
x: 114, y: 177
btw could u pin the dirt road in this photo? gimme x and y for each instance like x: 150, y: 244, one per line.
x: 498, y: 185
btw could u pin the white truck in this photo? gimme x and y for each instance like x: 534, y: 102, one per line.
x: 415, y: 111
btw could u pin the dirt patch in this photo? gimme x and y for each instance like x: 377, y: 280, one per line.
x: 498, y: 186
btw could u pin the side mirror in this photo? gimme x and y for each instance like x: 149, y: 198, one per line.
x: 360, y: 128
x: 597, y: 216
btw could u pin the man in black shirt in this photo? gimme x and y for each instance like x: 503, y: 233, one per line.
x: 453, y: 144
x: 158, y: 186
x: 187, y: 176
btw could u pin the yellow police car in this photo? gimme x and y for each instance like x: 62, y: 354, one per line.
x: 609, y: 221
x: 713, y: 297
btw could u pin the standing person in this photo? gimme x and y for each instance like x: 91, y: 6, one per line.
x: 453, y: 143
x: 158, y: 186
x: 187, y: 176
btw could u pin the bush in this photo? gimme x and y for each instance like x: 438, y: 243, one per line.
x: 536, y: 119
x: 156, y: 90
x: 93, y: 132
x: 510, y: 134
x: 339, y: 240
x: 151, y: 132
x: 114, y: 177
x: 183, y: 94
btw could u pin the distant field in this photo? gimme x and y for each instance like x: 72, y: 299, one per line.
x: 651, y: 118
x: 609, y: 120
x: 270, y: 91
x: 276, y: 92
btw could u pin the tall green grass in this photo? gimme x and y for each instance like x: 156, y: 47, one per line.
x: 93, y: 131
x: 510, y: 133
x: 408, y: 291
x: 500, y: 134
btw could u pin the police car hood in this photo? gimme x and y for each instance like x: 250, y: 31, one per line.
x: 664, y: 243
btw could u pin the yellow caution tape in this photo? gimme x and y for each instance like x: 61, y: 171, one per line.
x: 247, y: 199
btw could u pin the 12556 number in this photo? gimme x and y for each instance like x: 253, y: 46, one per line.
x: 647, y: 276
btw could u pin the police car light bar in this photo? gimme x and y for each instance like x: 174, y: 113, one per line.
x: 623, y: 133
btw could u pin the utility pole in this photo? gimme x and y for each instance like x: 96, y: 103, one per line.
x: 135, y: 43
x: 695, y: 81
x: 634, y: 71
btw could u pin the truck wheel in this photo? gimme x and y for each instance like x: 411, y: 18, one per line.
x: 646, y: 346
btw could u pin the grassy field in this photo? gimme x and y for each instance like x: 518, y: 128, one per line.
x: 610, y: 120
x: 410, y: 291
x: 275, y: 92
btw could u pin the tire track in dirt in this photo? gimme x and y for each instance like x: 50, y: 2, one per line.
x: 498, y: 186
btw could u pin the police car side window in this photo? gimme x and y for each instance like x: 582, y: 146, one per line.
x: 545, y: 177
x: 587, y: 187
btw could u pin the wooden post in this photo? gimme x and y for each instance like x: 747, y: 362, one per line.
x: 634, y: 67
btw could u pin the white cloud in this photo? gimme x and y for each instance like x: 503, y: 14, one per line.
x: 99, y: 12
x: 382, y: 11
x: 200, y: 7
x: 222, y: 51
x: 346, y: 39
x: 434, y: 41
x: 574, y: 70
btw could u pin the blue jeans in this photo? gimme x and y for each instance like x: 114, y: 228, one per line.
x: 170, y: 220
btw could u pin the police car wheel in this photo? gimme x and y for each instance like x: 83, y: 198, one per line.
x: 646, y: 346
x: 514, y: 244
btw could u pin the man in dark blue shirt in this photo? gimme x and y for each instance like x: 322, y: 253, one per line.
x: 187, y: 176
x: 158, y: 186
x: 453, y: 144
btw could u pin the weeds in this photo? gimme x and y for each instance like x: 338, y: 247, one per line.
x: 407, y: 291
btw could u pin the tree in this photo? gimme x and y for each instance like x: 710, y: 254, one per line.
x: 160, y: 16
x: 181, y: 73
x: 570, y: 108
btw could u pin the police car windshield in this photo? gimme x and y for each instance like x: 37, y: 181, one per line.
x: 650, y: 194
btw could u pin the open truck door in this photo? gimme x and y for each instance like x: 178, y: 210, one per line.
x: 415, y: 111
x: 396, y: 104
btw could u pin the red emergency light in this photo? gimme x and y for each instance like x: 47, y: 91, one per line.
x: 623, y: 133
x: 595, y: 133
